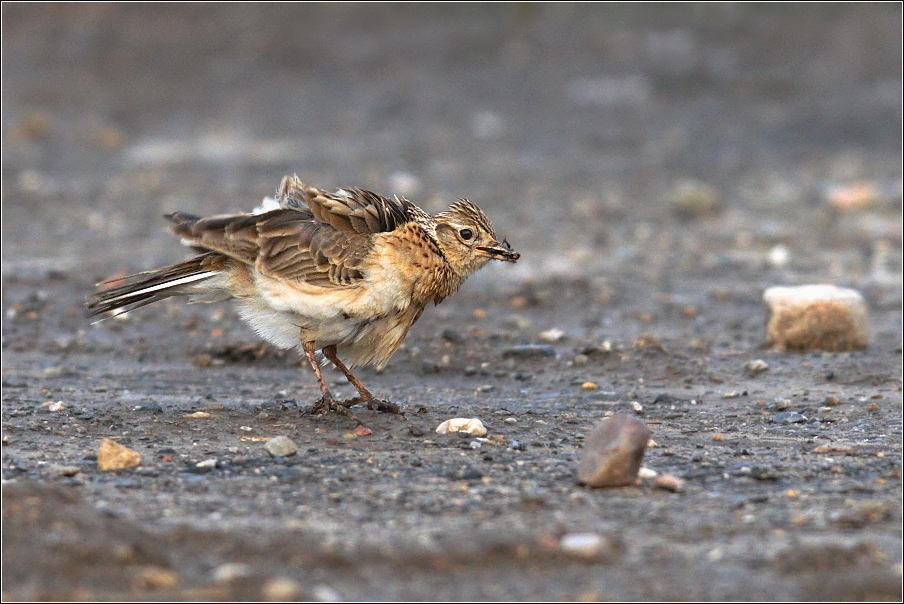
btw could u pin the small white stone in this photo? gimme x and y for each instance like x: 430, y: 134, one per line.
x: 691, y: 198
x: 325, y: 593
x: 281, y: 446
x: 552, y: 335
x: 281, y: 589
x: 229, y: 572
x: 637, y: 408
x: 778, y: 256
x: 207, y: 463
x: 585, y: 545
x: 198, y: 415
x: 646, y: 472
x: 756, y: 366
x: 472, y: 426
x: 57, y: 406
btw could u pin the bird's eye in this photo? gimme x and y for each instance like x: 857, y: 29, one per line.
x: 466, y: 234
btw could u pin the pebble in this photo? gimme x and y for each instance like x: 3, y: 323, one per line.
x: 816, y: 317
x: 59, y: 470
x: 112, y: 456
x: 833, y: 449
x: 613, y: 451
x: 647, y: 341
x: 197, y: 415
x: 589, y: 386
x: 691, y: 198
x: 57, y: 406
x: 281, y: 446
x: 778, y: 256
x: 756, y: 367
x: 281, y: 589
x: 789, y: 417
x: 552, y: 335
x: 529, y: 351
x: 231, y: 571
x: 669, y: 483
x: 647, y: 473
x: 637, y: 408
x: 851, y: 197
x: 472, y: 426
x: 589, y: 546
x: 782, y: 404
x: 154, y: 577
x: 831, y: 401
x: 325, y: 593
x: 207, y: 463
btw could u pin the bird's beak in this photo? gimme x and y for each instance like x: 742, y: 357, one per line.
x: 500, y: 251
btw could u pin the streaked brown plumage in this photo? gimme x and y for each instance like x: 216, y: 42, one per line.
x: 347, y: 273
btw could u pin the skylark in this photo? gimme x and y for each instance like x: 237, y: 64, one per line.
x: 346, y: 273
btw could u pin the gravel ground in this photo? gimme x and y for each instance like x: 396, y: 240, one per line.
x: 657, y: 168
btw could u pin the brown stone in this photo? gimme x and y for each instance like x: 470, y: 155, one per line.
x: 113, y: 456
x: 613, y: 452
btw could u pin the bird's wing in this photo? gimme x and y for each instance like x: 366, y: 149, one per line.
x: 351, y: 210
x: 317, y: 237
x: 358, y: 210
x: 286, y: 244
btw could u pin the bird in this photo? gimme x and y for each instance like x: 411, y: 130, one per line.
x: 345, y: 273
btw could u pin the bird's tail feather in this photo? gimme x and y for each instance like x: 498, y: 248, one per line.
x: 128, y: 293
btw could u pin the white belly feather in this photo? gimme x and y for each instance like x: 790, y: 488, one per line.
x: 367, y: 323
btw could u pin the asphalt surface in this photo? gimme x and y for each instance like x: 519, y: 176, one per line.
x: 656, y: 167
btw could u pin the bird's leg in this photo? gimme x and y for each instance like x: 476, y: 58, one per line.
x: 364, y: 395
x: 326, y: 402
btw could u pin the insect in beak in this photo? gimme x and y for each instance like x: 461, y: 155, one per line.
x: 501, y: 251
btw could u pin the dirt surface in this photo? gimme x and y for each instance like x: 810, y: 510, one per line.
x: 657, y: 168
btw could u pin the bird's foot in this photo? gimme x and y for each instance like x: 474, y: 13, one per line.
x: 375, y: 404
x: 327, y: 404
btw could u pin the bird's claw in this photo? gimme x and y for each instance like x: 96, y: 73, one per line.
x: 374, y: 404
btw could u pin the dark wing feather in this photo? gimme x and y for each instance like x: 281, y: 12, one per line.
x: 235, y: 235
x: 286, y: 244
x: 359, y: 211
x: 351, y: 210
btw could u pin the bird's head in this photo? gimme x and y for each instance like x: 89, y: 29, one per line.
x: 467, y: 238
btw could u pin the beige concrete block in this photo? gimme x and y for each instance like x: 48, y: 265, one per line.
x: 816, y: 317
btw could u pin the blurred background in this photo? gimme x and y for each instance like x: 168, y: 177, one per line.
x: 598, y: 138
